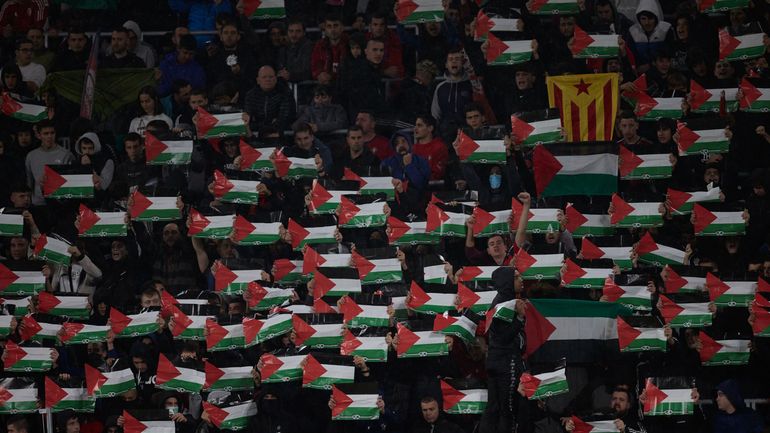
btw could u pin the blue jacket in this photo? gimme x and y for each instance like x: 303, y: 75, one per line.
x: 190, y: 71
x: 743, y: 420
x: 417, y: 173
x: 201, y: 15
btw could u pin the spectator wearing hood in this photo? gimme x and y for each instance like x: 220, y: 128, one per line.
x: 136, y: 45
x: 89, y: 152
x: 405, y: 165
x: 649, y: 34
x: 452, y: 95
x: 175, y: 261
x: 732, y: 415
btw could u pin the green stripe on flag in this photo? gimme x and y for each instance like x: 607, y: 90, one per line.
x: 582, y: 184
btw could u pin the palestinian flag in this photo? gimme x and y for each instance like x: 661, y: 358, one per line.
x: 371, y: 349
x: 32, y: 330
x: 17, y: 401
x: 281, y: 369
x: 553, y: 7
x: 294, y: 168
x: 173, y: 378
x: 634, y: 297
x: 234, y: 282
x: 220, y: 125
x: 635, y: 215
x: 133, y: 326
x: 576, y: 277
x: 101, y: 224
x: 664, y: 401
x: 567, y: 169
x: 80, y: 333
x: 486, y: 24
x: 723, y: 352
x: 478, y: 302
x: 336, y: 282
x: 644, y: 166
x: 228, y: 337
x: 674, y: 282
x: 503, y: 53
x: 682, y: 202
x: 52, y: 250
x: 640, y: 338
x: 231, y: 418
x: 234, y: 190
x: 316, y: 336
x: 738, y: 48
x: 210, y: 227
x: 504, y: 311
x: 761, y: 325
x: 256, y: 331
x: 246, y: 232
x: 361, y: 215
x: 655, y: 254
x: 322, y: 376
x: 376, y: 270
x: 168, y: 152
x: 708, y: 223
x: 685, y: 315
x: 710, y: 100
x: 5, y: 324
x: 444, y: 223
x: 355, y: 401
x: 21, y: 282
x: 585, y: 46
x: 143, y: 208
x: 580, y: 330
x: 538, y: 220
x: 545, y: 385
x: 108, y: 384
x: 435, y: 274
x: 479, y: 152
x: 264, y: 9
x: 539, y: 266
x: 361, y: 315
x: 300, y: 236
x: 324, y: 201
x: 621, y: 256
x: 731, y: 293
x: 583, y: 225
x: 534, y: 133
x: 372, y: 185
x: 17, y: 307
x: 228, y: 378
x: 420, y: 344
x: 187, y: 327
x: 25, y: 112
x: 649, y: 108
x: 133, y: 425
x: 605, y: 426
x: 755, y: 100
x: 408, y: 233
x: 459, y: 326
x: 58, y: 399
x: 66, y: 185
x: 462, y: 400
x: 265, y: 298
x: 11, y: 224
x: 287, y: 271
x: 697, y: 142
x: 430, y: 303
x: 477, y: 273
x: 26, y: 359
x: 708, y: 6
x: 255, y: 159
x: 419, y: 11
x: 312, y: 260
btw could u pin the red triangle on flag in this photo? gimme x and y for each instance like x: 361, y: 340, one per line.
x: 727, y: 43
x: 574, y: 218
x: 760, y: 300
x: 484, y: 24
x: 7, y: 277
x: 628, y: 161
x: 198, y: 222
x: 489, y: 317
x: 349, y: 308
x: 750, y: 93
x: 341, y: 400
x: 87, y: 219
x: 524, y: 260
x: 673, y: 281
x: 216, y: 414
x: 281, y: 164
x: 322, y: 285
x: 646, y: 245
x: 138, y: 204
x: 52, y: 181
x: 94, y: 379
x: 715, y: 286
x: 443, y: 321
x: 215, y: 334
x: 406, y: 339
x: 465, y: 146
x: 12, y: 354
x: 535, y: 5
x: 466, y: 298
x: 69, y: 330
x: 349, y: 343
x: 205, y: 120
x: 589, y: 251
x: 131, y: 424
x: 698, y: 95
x: 669, y: 309
x: 181, y: 321
x: 709, y: 347
x: 417, y: 296
x: 166, y: 370
x: 654, y: 396
x: 223, y: 277
x: 763, y: 286
x: 572, y: 272
x: 270, y: 364
x: 517, y: 210
x: 435, y: 200
x: 537, y: 328
x: 302, y: 330
x: 469, y: 273
x: 450, y: 396
x: 53, y: 393
x: 580, y: 41
x: 312, y: 370
x: 363, y: 264
x: 622, y: 209
x: 319, y: 195
x: 705, y: 4
x: 483, y: 219
x: 241, y: 228
x: 118, y: 321
x: 351, y: 175
x: 29, y: 328
x: 256, y: 293
x: 297, y: 232
x: 626, y: 333
x: 42, y: 241
x: 152, y: 146
x: 396, y: 229
x: 222, y: 184
x: 495, y: 47
x: 436, y: 217
x: 530, y: 384
x: 282, y: 268
x: 348, y: 210
x: 5, y: 396
x: 322, y: 307
x: 677, y: 199
x: 520, y: 130
x: 644, y: 104
x: 249, y: 155
x: 546, y: 168
x: 612, y: 291
x: 761, y: 319
x: 9, y: 105
x: 687, y: 137
x: 404, y: 8
x: 703, y: 218
x: 47, y: 302
x: 251, y: 328
x: 580, y: 425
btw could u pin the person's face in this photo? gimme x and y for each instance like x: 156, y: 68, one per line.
x: 76, y: 42
x: 171, y: 234
x: 24, y: 54
x: 276, y: 37
x: 303, y: 140
x: 183, y: 95
x: 171, y: 403
x: 700, y: 69
x: 36, y: 37
x: 474, y: 119
x: 759, y: 191
x: 377, y: 27
x: 21, y: 199
x: 231, y: 148
x: 11, y: 80
x: 139, y: 364
x: 86, y: 147
x: 566, y: 26
x: 118, y: 251
x: 731, y: 245
x: 229, y: 36
x: 322, y: 99
x: 647, y: 23
x: 359, y: 24
x: 454, y: 63
x: 375, y: 51
x: 723, y: 70
x: 604, y: 14
x: 225, y: 247
x: 663, y: 64
x: 150, y: 301
x: 628, y: 128
x: 133, y: 150
x: 178, y: 33
x: 422, y: 131
x: 365, y: 121
x: 496, y: 247
x: 620, y: 403
x: 355, y: 140
x: 452, y: 15
x: 429, y: 412
x: 47, y: 137
x: 24, y: 138
x: 682, y: 29
x: 12, y: 429
x: 295, y: 33
x: 234, y: 308
x: 119, y: 42
x: 433, y: 28
x: 266, y: 79
x: 147, y: 103
x: 524, y: 80
x: 737, y: 17
x: 711, y: 175
x: 73, y: 425
x: 723, y: 403
x: 133, y: 40
x: 664, y: 135
x: 198, y: 101
x: 613, y: 65
x: 355, y: 50
x: 184, y: 56
x: 19, y: 248
x: 402, y: 146
x: 333, y: 30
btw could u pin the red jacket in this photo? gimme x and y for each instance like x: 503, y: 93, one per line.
x: 437, y: 154
x: 380, y: 147
x: 328, y: 58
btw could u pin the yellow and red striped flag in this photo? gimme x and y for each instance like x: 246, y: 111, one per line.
x: 587, y: 103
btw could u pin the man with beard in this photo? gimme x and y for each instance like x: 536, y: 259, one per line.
x: 175, y: 261
x: 620, y: 406
x: 405, y: 165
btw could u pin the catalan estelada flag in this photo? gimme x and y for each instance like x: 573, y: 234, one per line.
x: 587, y: 104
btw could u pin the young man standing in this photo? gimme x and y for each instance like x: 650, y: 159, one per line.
x: 48, y: 153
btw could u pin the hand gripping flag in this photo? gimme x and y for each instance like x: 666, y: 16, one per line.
x: 101, y: 224
x: 430, y: 302
x: 531, y: 134
x: 743, y: 47
x: 18, y: 359
x: 316, y: 375
x: 361, y: 315
x: 721, y: 5
x: 754, y: 100
x: 408, y: 233
x: 274, y: 369
x: 463, y: 397
x: 134, y: 325
x: 246, y: 232
x: 180, y: 379
x: 459, y: 326
x: 419, y: 11
x: 643, y: 166
x: 502, y: 53
x: 325, y: 200
x: 730, y: 293
x: 478, y: 302
x: 553, y: 7
x: 255, y: 159
x: 17, y: 401
x: 682, y: 202
x: 186, y: 327
x: 538, y: 266
x: 419, y: 344
x: 481, y: 151
x: 25, y: 112
x: 538, y: 220
x: 621, y: 256
x: 132, y: 424
x: 355, y: 402
x: 264, y: 9
x: 108, y: 384
x: 81, y: 333
x: 231, y: 418
x: 360, y: 214
x: 371, y: 348
x: 228, y: 378
x: 634, y: 297
x: 219, y: 125
x: 234, y: 190
x: 210, y: 227
x: 309, y: 331
x: 374, y: 185
x: 635, y: 215
x: 582, y: 225
x: 21, y: 280
x: 701, y: 141
x: 683, y: 279
x: 143, y: 208
x: 587, y: 104
x: 569, y: 169
x: 723, y: 352
x: 708, y: 223
x: 598, y: 426
x: 486, y: 24
x: 712, y: 100
x: 301, y: 236
x: 663, y: 399
x: 58, y: 399
x: 265, y: 298
x: 656, y: 254
x: 294, y: 168
x: 234, y: 282
x: 545, y: 385
x: 443, y: 222
x: 11, y: 224
x: 577, y: 277
x: 167, y: 152
x: 66, y: 182
x: 640, y: 334
x: 52, y: 250
x: 585, y: 46
x: 684, y: 315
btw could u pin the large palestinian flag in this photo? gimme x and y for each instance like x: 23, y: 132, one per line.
x: 59, y: 399
x: 26, y: 359
x: 584, y: 224
x: 219, y: 125
x: 635, y: 215
x: 24, y: 279
x: 246, y: 232
x: 576, y: 169
x: 67, y: 182
x: 366, y: 343
x: 408, y: 233
x: 319, y: 375
x: 684, y: 314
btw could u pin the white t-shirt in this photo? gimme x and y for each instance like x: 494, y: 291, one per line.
x: 34, y: 72
x: 138, y: 124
